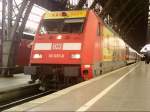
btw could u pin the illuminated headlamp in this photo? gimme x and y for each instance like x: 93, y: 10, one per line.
x: 75, y: 56
x: 37, y: 56
x: 59, y: 37
x: 87, y: 66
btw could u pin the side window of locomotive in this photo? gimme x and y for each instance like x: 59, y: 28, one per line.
x: 98, y: 30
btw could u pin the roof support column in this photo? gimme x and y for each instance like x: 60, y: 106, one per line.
x: 8, y: 49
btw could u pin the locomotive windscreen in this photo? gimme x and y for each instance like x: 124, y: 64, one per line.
x: 61, y: 26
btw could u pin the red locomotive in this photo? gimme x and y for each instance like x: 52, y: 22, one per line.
x: 76, y: 44
x: 23, y: 53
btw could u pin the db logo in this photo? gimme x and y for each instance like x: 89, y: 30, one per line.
x: 57, y: 46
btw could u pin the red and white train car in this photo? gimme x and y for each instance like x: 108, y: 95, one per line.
x: 75, y: 44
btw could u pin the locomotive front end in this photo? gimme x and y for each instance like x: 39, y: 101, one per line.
x: 56, y: 50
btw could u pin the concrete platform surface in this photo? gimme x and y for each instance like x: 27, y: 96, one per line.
x: 12, y: 82
x: 126, y: 89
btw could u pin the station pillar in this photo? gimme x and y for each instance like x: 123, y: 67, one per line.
x: 12, y: 27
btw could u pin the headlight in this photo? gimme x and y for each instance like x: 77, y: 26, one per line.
x: 75, y: 56
x: 59, y: 37
x: 37, y: 56
x: 87, y: 66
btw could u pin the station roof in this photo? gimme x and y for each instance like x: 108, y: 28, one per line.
x: 130, y: 16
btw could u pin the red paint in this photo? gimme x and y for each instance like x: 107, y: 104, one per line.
x: 23, y: 53
x: 90, y: 51
x: 89, y: 75
x: 57, y: 49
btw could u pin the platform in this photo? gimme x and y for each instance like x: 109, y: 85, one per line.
x: 13, y: 82
x: 126, y: 89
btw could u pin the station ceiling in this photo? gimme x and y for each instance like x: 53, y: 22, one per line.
x: 130, y: 16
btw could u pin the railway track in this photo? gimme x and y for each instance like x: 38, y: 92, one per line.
x: 25, y: 99
x: 18, y: 95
